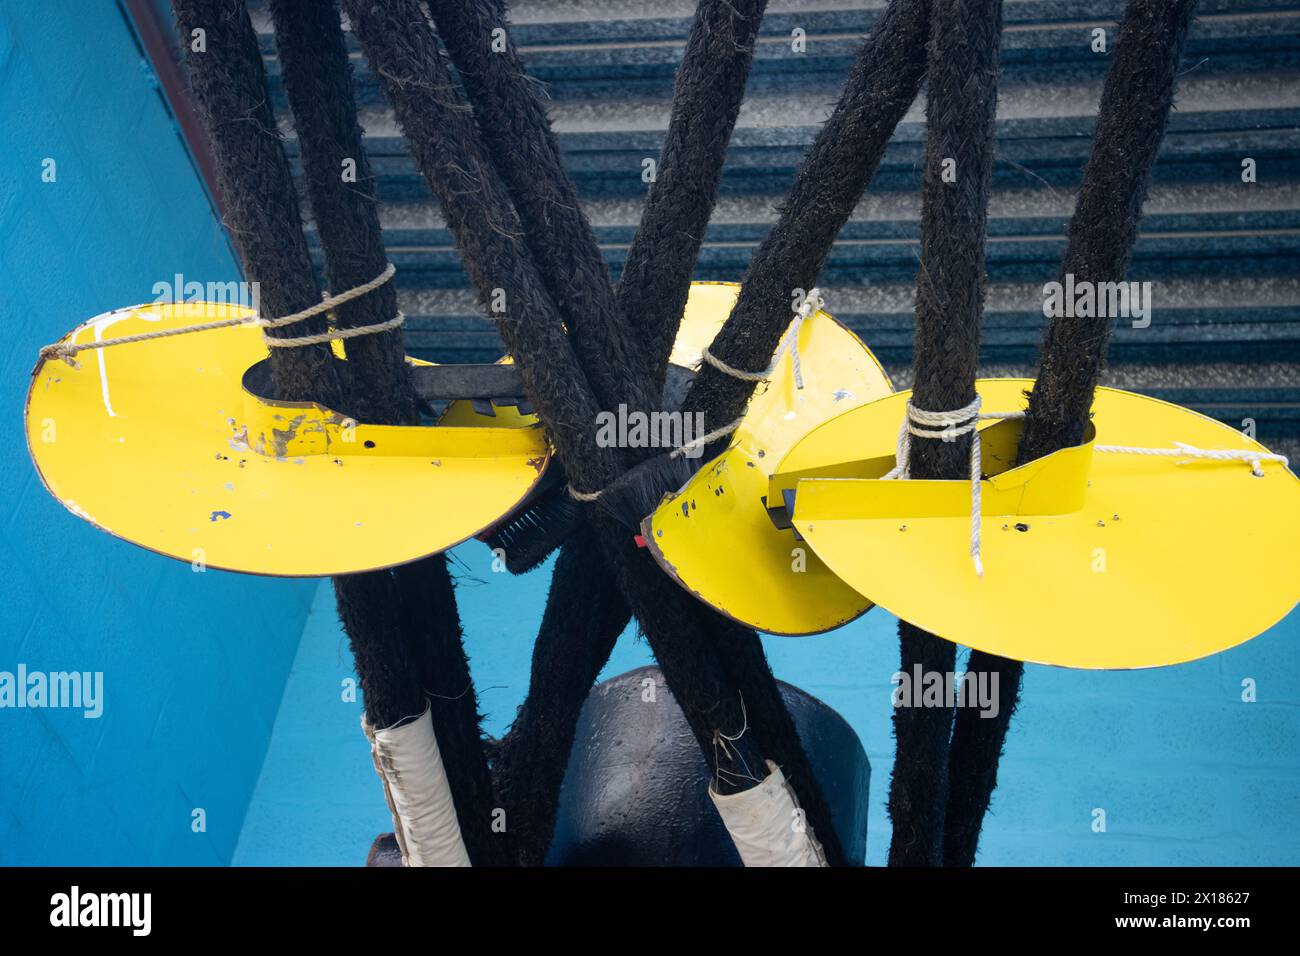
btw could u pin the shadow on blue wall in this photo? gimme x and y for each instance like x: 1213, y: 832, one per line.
x: 99, y: 201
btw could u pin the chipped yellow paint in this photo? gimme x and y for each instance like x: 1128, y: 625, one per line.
x: 1091, y: 559
x: 714, y: 535
x: 159, y: 443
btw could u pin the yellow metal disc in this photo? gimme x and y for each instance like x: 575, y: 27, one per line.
x: 159, y: 443
x: 714, y: 536
x: 1091, y: 559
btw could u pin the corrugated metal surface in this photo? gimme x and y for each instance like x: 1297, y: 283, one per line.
x: 1221, y: 254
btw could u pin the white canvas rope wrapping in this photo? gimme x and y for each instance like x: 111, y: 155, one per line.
x: 766, y: 824
x: 415, y: 785
x: 812, y: 302
x: 67, y: 351
x: 949, y: 425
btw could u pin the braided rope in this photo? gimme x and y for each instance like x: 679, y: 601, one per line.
x: 67, y: 351
x: 949, y: 425
x: 701, y: 442
x: 812, y: 303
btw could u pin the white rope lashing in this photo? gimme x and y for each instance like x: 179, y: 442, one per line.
x: 67, y: 351
x: 1188, y: 452
x: 337, y: 335
x: 702, y: 441
x: 950, y: 425
x: 812, y: 302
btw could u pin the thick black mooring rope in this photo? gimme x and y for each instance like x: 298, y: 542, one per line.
x: 512, y: 121
x: 228, y: 83
x: 1135, y: 106
x: 960, y: 104
x: 707, y: 93
x: 478, y: 210
x: 317, y: 79
x: 317, y: 76
x: 881, y: 86
x: 585, y: 613
x: 262, y: 214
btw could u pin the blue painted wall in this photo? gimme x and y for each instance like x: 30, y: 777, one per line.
x: 1186, y: 772
x: 196, y: 665
x: 193, y: 664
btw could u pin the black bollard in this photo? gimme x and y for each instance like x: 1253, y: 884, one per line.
x: 635, y: 790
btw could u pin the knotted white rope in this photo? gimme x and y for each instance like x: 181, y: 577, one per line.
x: 812, y: 302
x: 950, y: 425
x: 67, y: 351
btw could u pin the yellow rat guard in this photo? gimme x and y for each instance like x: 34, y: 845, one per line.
x: 158, y: 442
x: 714, y: 536
x: 1092, y: 558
